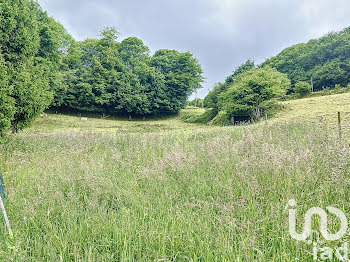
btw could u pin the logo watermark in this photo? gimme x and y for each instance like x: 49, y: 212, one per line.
x: 307, y: 234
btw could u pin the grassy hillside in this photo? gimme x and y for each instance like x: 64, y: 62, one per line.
x: 163, y: 190
x: 317, y: 109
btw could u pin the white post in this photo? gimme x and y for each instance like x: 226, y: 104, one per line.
x: 6, y: 218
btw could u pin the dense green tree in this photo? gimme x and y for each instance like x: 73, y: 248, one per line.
x: 182, y: 74
x: 102, y: 81
x: 31, y: 91
x: 325, y: 60
x: 248, y: 65
x: 302, y: 88
x: 19, y: 33
x: 133, y: 52
x: 30, y: 51
x: 211, y: 100
x: 55, y: 44
x: 6, y: 100
x: 251, y: 90
x: 197, y: 102
x: 113, y: 77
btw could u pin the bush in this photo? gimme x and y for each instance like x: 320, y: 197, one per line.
x: 302, y: 88
x: 269, y: 107
x: 221, y: 119
x: 251, y: 90
x: 29, y: 59
x: 204, y: 118
x: 6, y: 101
x: 32, y: 93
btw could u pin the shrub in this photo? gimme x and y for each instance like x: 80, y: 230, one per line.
x: 251, y: 90
x: 204, y: 118
x: 269, y: 107
x: 302, y: 88
x: 221, y: 119
x: 6, y: 101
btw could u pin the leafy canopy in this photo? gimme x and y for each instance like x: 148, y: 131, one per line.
x: 251, y: 89
x: 211, y: 100
x: 325, y: 60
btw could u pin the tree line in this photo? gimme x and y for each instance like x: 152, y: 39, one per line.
x: 252, y: 90
x: 325, y: 61
x: 42, y: 66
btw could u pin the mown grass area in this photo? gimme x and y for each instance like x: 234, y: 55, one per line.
x: 164, y: 190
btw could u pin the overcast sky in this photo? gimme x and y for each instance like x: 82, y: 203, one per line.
x: 222, y: 34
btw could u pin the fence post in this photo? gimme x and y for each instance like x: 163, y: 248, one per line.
x: 339, y: 126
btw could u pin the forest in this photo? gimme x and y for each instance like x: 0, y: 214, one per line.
x: 42, y: 67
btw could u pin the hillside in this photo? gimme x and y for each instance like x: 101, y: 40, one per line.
x: 317, y: 109
x: 326, y: 60
x: 164, y: 190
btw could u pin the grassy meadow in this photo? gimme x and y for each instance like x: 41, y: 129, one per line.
x: 317, y: 109
x: 164, y: 190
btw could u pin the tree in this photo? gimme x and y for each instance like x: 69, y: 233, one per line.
x: 326, y: 60
x: 248, y: 65
x: 6, y: 101
x: 133, y: 52
x: 28, y: 57
x: 19, y: 34
x: 302, y: 88
x: 182, y: 74
x: 198, y: 102
x: 211, y: 100
x: 106, y: 76
x: 251, y: 90
x: 31, y: 91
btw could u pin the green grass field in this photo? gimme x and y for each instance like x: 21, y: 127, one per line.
x: 317, y: 109
x: 164, y: 190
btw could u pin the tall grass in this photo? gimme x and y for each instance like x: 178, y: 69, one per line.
x: 109, y: 190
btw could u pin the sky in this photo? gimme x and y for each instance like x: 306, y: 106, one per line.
x: 221, y: 34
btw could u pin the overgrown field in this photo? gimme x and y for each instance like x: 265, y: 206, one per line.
x: 114, y: 190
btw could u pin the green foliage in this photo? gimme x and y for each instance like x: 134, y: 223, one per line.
x: 251, y: 89
x: 6, y: 101
x: 103, y: 75
x: 302, y: 88
x: 270, y: 108
x: 221, y: 119
x: 31, y: 92
x: 30, y: 53
x: 19, y: 34
x: 211, y: 100
x: 204, y: 118
x: 197, y: 102
x: 326, y: 60
x: 182, y: 75
x: 247, y: 66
